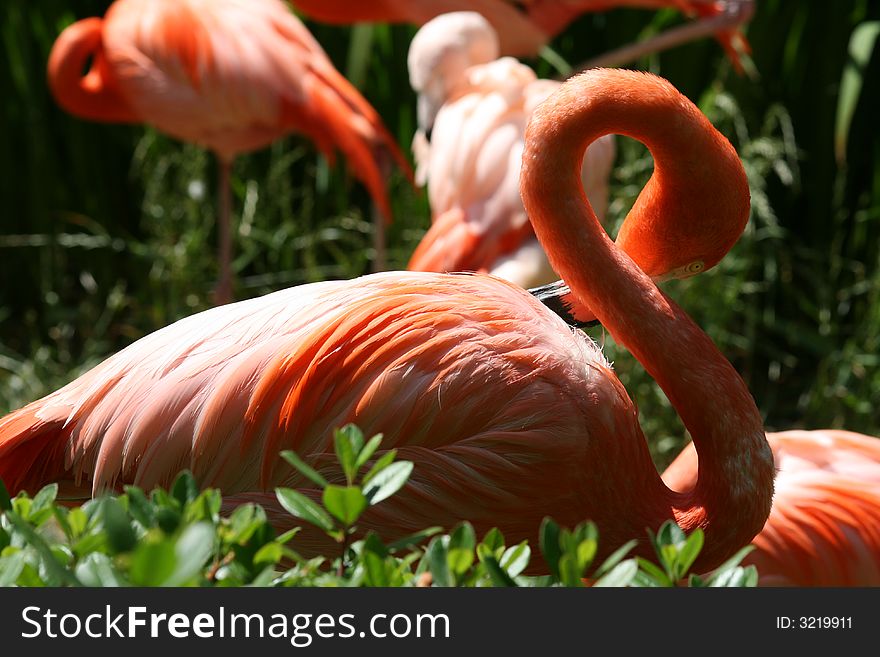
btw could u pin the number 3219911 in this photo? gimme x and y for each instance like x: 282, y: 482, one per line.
x: 814, y: 622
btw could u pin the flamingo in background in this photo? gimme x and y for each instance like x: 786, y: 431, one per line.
x: 231, y: 75
x: 507, y: 413
x: 526, y: 26
x: 475, y: 107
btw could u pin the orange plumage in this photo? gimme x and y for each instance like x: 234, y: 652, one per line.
x: 824, y: 526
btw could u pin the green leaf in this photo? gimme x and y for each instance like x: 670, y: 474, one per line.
x: 586, y: 531
x: 654, y: 573
x: 381, y: 463
x: 206, y: 507
x: 492, y: 544
x: 54, y: 569
x: 516, y: 558
x: 460, y: 559
x: 367, y: 451
x: 730, y: 578
x: 731, y: 563
x: 348, y: 441
x: 5, y: 501
x: 696, y: 581
x: 11, y: 566
x: 77, y: 520
x: 549, y: 541
x: 302, y: 507
x: 413, y: 539
x: 496, y: 573
x: 373, y: 555
x: 168, y: 518
x: 461, y: 548
x: 463, y: 536
x: 121, y: 536
x: 304, y: 468
x: 140, y: 508
x: 387, y: 482
x: 861, y: 45
x: 751, y: 576
x: 346, y: 503
x: 21, y: 504
x: 615, y: 558
x: 689, y: 553
x: 270, y: 553
x: 45, y: 498
x: 96, y: 569
x: 153, y: 562
x: 193, y: 549
x: 570, y: 573
x: 438, y: 563
x: 185, y: 489
x: 286, y: 536
x: 61, y: 514
x: 264, y: 578
x: 585, y: 553
x: 670, y: 534
x: 621, y: 575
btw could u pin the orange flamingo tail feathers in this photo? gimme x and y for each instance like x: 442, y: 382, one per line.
x: 444, y: 246
x: 93, y: 95
x: 30, y: 450
x: 341, y: 117
x: 455, y: 244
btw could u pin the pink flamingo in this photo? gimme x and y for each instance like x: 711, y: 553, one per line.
x: 475, y: 108
x: 231, y: 75
x: 508, y: 414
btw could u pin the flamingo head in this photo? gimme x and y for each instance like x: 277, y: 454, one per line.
x: 441, y: 51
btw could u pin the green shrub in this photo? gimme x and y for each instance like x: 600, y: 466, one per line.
x: 179, y: 538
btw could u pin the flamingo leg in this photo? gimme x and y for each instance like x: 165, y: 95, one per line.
x: 736, y: 13
x: 223, y: 290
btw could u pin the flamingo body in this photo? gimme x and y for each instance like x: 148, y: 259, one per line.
x: 476, y: 108
x: 230, y: 75
x: 416, y: 356
x: 824, y: 526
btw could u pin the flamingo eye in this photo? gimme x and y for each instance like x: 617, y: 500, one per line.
x: 694, y: 268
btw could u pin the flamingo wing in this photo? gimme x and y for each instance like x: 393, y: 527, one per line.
x: 234, y: 75
x: 418, y: 357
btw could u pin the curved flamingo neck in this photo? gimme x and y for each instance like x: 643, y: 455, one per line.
x: 732, y: 498
x: 93, y: 95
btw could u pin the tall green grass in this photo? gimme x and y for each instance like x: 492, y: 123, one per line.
x: 107, y: 232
